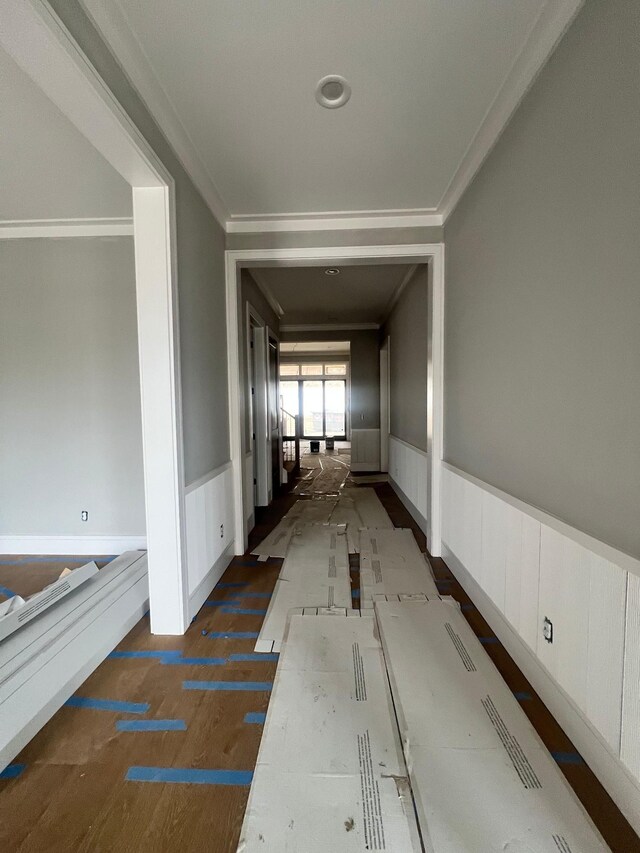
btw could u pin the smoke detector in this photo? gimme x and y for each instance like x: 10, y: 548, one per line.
x: 332, y: 92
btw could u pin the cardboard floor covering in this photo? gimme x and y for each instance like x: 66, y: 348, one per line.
x: 481, y: 777
x: 330, y: 775
x: 303, y: 511
x: 392, y: 564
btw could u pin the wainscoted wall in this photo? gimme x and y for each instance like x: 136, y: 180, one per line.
x: 522, y: 565
x: 365, y: 450
x: 408, y: 471
x: 209, y: 510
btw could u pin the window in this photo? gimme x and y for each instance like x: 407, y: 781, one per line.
x: 289, y: 369
x: 335, y: 369
x: 312, y: 370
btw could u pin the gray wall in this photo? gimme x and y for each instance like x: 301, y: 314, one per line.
x: 407, y: 328
x: 70, y: 428
x: 542, y: 351
x: 201, y: 285
x: 365, y: 371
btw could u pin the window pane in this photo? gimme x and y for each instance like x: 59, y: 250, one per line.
x: 335, y: 399
x: 289, y: 394
x: 312, y: 370
x: 312, y: 408
x: 289, y: 369
x: 335, y: 369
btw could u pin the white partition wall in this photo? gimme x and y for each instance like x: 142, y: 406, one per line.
x: 522, y: 566
x: 409, y: 473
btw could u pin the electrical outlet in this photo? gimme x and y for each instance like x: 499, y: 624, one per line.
x: 547, y: 629
x: 222, y: 531
x: 84, y: 515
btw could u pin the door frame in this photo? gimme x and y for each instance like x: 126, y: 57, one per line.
x: 385, y: 403
x: 37, y: 40
x: 430, y: 253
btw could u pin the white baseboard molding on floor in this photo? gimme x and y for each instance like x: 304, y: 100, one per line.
x: 46, y: 661
x: 412, y: 509
x: 616, y: 779
x: 203, y: 590
x: 71, y: 545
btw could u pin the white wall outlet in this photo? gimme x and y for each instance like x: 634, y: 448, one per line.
x: 84, y: 515
x: 547, y: 629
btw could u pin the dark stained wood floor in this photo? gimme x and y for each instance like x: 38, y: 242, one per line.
x: 73, y: 794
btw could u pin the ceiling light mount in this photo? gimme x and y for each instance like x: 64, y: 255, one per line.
x: 332, y: 92
x: 332, y: 271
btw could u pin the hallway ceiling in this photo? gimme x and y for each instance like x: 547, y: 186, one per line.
x: 233, y: 86
x: 359, y: 294
x: 48, y: 170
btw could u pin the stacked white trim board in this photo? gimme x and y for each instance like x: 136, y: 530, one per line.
x: 481, y: 777
x: 315, y: 573
x: 392, y: 564
x: 330, y: 775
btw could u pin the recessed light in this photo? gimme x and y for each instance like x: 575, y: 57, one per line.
x: 332, y: 271
x: 332, y: 92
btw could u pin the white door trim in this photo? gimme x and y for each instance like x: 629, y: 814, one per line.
x: 40, y: 44
x: 432, y: 253
x: 384, y: 405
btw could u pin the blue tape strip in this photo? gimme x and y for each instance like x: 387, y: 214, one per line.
x: 227, y: 685
x: 254, y: 594
x: 355, y: 593
x: 255, y: 717
x: 212, y: 603
x: 195, y: 661
x: 244, y: 611
x: 221, y: 585
x: 189, y: 776
x: 108, y: 705
x: 522, y: 696
x: 156, y: 655
x: 487, y: 641
x: 151, y: 726
x: 12, y: 771
x: 267, y: 656
x: 233, y: 635
x: 8, y: 593
x: 567, y: 758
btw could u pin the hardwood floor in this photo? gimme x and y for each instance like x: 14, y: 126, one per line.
x: 72, y: 793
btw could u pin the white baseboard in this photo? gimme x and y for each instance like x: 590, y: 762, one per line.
x: 45, y: 662
x: 415, y: 514
x: 203, y: 590
x: 71, y: 545
x: 618, y: 782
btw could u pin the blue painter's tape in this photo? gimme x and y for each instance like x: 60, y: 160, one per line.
x: 189, y: 776
x: 244, y: 611
x: 8, y: 593
x: 233, y: 635
x: 108, y: 705
x: 355, y: 593
x: 250, y: 656
x: 254, y: 594
x: 227, y: 685
x: 153, y: 654
x: 212, y: 603
x: 195, y: 661
x: 522, y: 696
x: 567, y: 758
x: 230, y: 585
x: 255, y: 717
x: 487, y: 641
x: 12, y: 771
x: 151, y: 726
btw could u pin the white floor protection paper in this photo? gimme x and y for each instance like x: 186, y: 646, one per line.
x: 315, y: 573
x: 330, y: 776
x: 359, y: 508
x: 392, y: 563
x: 481, y: 777
x: 310, y: 511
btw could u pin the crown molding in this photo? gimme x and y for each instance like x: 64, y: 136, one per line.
x: 266, y: 291
x: 397, y: 293
x: 104, y: 227
x: 329, y: 327
x: 111, y: 22
x: 339, y: 221
x: 552, y: 23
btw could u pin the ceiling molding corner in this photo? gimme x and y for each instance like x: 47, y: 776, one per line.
x: 112, y: 24
x: 397, y: 293
x: 551, y: 25
x: 266, y: 291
